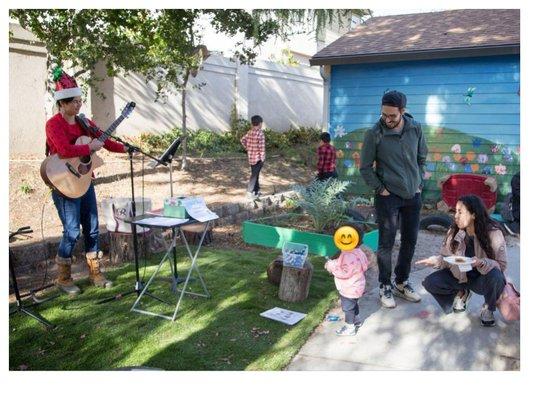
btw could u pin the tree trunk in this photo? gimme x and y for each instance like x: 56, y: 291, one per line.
x: 121, y: 246
x: 295, y: 282
x: 184, y: 121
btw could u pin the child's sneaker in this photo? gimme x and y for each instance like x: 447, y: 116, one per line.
x: 347, y: 330
x: 487, y: 316
x: 406, y: 291
x: 385, y: 295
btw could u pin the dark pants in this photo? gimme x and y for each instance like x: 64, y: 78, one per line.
x: 72, y: 213
x: 443, y: 286
x: 322, y: 176
x: 253, y: 185
x: 350, y: 308
x: 390, y: 210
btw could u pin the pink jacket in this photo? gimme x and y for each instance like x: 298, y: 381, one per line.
x: 349, y: 272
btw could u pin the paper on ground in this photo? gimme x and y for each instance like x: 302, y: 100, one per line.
x: 282, y: 315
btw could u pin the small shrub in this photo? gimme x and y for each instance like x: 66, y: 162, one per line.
x: 26, y: 188
x: 322, y: 201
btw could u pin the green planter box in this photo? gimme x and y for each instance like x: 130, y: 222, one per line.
x: 257, y: 232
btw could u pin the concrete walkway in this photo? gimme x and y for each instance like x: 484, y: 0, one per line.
x: 417, y: 336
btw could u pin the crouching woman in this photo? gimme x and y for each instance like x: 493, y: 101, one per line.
x: 473, y: 234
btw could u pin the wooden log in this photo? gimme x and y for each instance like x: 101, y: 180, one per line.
x: 121, y: 248
x: 274, y: 271
x: 295, y: 283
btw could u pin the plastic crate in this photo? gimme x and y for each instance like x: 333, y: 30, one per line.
x: 294, y: 254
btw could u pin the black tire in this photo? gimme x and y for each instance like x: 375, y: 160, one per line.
x: 443, y: 220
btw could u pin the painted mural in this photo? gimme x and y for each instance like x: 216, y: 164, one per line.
x: 469, y: 110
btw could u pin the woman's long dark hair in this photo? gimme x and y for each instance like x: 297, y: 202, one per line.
x: 482, y: 223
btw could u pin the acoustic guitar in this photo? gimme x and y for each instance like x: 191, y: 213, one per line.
x: 71, y: 177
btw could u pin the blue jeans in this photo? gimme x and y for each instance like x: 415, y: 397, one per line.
x: 72, y: 213
x: 392, y: 210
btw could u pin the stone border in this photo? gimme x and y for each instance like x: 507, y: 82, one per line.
x: 26, y: 257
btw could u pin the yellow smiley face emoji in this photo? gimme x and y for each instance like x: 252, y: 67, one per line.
x: 346, y: 238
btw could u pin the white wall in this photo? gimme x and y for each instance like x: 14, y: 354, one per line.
x: 284, y: 96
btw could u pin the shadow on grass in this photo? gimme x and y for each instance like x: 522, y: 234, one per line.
x: 224, y: 332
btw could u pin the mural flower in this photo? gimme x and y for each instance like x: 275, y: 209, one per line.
x: 476, y: 142
x: 500, y: 169
x: 431, y: 167
x: 508, y: 158
x: 348, y: 145
x: 487, y: 170
x: 495, y: 148
x: 446, y: 159
x: 340, y: 154
x: 482, y: 158
x: 468, y: 168
x: 457, y: 157
x: 475, y: 168
x: 437, y: 156
x: 470, y: 155
x: 507, y: 150
x: 463, y: 160
x: 469, y: 94
x: 348, y: 163
x: 452, y: 166
x: 456, y: 148
x: 427, y: 175
x: 357, y: 158
x: 339, y: 131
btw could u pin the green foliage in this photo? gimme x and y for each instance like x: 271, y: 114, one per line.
x: 322, y: 201
x: 202, y: 141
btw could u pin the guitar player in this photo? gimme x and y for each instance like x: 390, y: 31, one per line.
x: 62, y: 130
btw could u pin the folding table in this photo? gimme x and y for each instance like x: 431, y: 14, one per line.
x: 144, y: 221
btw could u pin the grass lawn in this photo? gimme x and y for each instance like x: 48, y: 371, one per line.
x: 224, y: 332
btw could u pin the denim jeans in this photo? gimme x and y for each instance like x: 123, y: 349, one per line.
x: 72, y: 213
x: 443, y: 286
x: 350, y: 308
x: 391, y: 210
x: 253, y: 184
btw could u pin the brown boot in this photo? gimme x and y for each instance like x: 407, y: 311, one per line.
x: 95, y: 275
x: 64, y: 279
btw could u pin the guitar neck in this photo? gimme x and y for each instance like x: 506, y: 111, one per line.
x: 104, y: 136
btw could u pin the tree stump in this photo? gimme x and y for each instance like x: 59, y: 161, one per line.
x: 274, y: 270
x: 193, y: 233
x: 295, y: 282
x: 121, y: 248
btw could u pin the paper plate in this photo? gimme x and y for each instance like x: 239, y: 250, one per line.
x: 458, y: 260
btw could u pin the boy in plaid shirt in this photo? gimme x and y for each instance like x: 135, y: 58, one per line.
x: 254, y: 144
x: 327, y: 158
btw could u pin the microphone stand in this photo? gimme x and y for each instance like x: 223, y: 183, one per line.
x: 138, y: 283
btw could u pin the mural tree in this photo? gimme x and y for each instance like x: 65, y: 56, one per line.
x: 165, y: 46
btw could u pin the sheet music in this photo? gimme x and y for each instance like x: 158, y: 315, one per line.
x: 197, y: 209
x: 282, y: 315
x: 162, y: 221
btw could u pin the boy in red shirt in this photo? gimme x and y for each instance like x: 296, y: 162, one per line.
x: 327, y: 158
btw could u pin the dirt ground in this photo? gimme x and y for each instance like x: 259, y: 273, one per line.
x: 218, y: 181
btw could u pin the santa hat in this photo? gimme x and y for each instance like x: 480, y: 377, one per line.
x: 66, y: 86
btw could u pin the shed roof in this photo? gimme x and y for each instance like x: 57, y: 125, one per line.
x: 443, y: 34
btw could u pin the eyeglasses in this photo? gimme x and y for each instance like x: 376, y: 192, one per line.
x: 389, y: 116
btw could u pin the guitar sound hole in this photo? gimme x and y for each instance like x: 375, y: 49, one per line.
x: 84, y: 168
x: 85, y: 159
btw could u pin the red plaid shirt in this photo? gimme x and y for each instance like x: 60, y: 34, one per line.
x: 326, y: 158
x: 254, y: 143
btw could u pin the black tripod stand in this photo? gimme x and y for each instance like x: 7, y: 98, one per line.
x: 139, y: 285
x: 24, y: 309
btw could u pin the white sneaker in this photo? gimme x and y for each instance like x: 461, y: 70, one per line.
x: 385, y: 295
x: 461, y: 302
x: 487, y: 317
x: 347, y: 330
x: 406, y: 291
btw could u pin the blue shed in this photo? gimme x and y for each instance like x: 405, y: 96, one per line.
x: 460, y: 70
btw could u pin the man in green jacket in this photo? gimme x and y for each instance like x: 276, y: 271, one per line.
x: 392, y: 163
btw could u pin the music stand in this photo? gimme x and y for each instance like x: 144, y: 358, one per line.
x: 20, y: 305
x: 138, y: 283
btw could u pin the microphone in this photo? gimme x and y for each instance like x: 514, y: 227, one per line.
x: 82, y: 119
